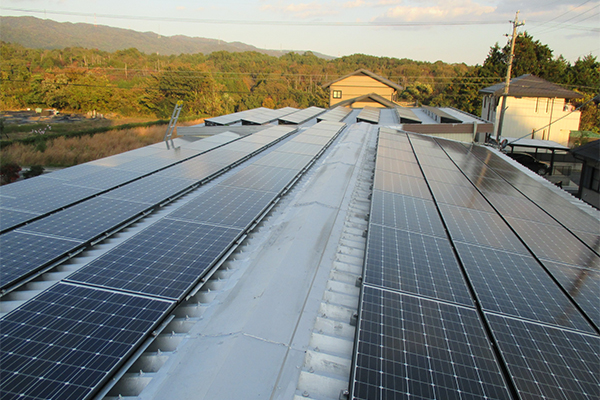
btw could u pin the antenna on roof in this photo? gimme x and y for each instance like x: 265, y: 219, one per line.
x: 513, y: 38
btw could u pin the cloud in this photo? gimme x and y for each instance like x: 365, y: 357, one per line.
x: 180, y: 8
x: 302, y: 10
x: 354, y: 4
x: 436, y: 11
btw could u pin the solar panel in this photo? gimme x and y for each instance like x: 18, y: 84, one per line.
x: 400, y: 155
x: 151, y: 190
x: 300, y: 148
x: 228, y: 119
x: 146, y: 164
x: 515, y: 284
x: 553, y: 242
x: 399, y: 167
x: 259, y: 177
x: 77, y: 171
x: 412, y: 347
x: 462, y: 196
x: 31, y: 185
x: 12, y: 218
x: 547, y: 362
x: 50, y: 199
x: 582, y: 284
x: 65, y: 343
x: 164, y: 260
x: 312, y: 139
x: 453, y: 176
x: 284, y: 160
x: 518, y: 207
x: 418, y: 264
x: 176, y: 154
x: 195, y: 169
x: 301, y: 116
x: 225, y: 205
x: 368, y: 114
x: 337, y: 114
x: 24, y: 253
x: 87, y: 220
x: 477, y: 227
x: 401, y: 184
x: 407, y: 213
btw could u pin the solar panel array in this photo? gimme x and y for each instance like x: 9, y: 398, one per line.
x: 335, y: 115
x: 533, y: 311
x: 76, y: 226
x: 265, y: 115
x: 67, y: 342
x: 301, y: 116
x: 368, y: 114
x: 33, y: 198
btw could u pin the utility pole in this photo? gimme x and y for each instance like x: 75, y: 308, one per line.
x: 516, y: 24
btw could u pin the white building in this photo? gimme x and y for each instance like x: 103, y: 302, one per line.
x: 534, y: 106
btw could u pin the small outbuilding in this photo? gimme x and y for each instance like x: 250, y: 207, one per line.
x: 359, y: 83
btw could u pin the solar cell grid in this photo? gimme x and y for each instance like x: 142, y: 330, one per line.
x: 49, y: 199
x: 401, y: 155
x: 582, y: 284
x: 24, y: 253
x: 164, y: 260
x: 146, y: 164
x: 115, y: 160
x: 407, y: 213
x: 106, y: 179
x: 67, y: 341
x: 555, y: 243
x: 259, y: 177
x: 151, y: 190
x: 12, y: 218
x: 460, y: 196
x: 401, y: 184
x: 515, y: 284
x: 399, y: 167
x: 87, y: 220
x: 284, y: 160
x: 301, y: 148
x: 27, y: 186
x: 196, y: 169
x: 394, y: 144
x: 481, y: 228
x: 547, y: 362
x: 439, y: 162
x: 77, y: 171
x: 452, y: 176
x: 574, y: 218
x: 413, y: 263
x: 415, y: 348
x: 496, y: 186
x: 225, y: 205
x: 177, y: 154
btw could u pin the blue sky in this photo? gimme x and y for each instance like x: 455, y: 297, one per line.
x: 425, y: 30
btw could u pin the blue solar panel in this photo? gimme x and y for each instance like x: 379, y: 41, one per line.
x: 12, y: 218
x: 419, y: 264
x: 405, y: 212
x: 164, y: 260
x: 151, y: 190
x: 65, y: 343
x: 401, y: 184
x: 547, y: 362
x: 416, y: 348
x: 106, y: 179
x: 462, y: 196
x: 24, y: 253
x: 50, y: 199
x: 264, y: 178
x: 515, y: 284
x: 87, y: 220
x: 226, y: 206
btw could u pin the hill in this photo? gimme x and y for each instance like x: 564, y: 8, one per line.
x: 39, y: 33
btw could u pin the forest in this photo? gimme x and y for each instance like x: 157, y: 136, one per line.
x: 130, y: 83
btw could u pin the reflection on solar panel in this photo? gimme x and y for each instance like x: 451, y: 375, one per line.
x: 529, y: 313
x: 151, y: 190
x: 49, y: 199
x: 368, y: 114
x: 335, y: 115
x: 11, y: 218
x: 301, y: 116
x: 259, y: 177
x: 515, y: 284
x: 547, y: 362
x: 229, y: 118
x: 265, y: 115
x: 416, y: 348
x: 23, y: 253
x: 67, y: 341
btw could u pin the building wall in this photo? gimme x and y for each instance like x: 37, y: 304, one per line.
x: 359, y: 85
x: 526, y: 114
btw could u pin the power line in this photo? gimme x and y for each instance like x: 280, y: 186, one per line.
x: 256, y: 22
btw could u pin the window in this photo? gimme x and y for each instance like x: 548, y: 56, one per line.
x: 337, y: 94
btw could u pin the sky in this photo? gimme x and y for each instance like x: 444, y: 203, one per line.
x: 452, y: 31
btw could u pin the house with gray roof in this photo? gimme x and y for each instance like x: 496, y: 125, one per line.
x: 534, y: 106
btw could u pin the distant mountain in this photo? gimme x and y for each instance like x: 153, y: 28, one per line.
x: 38, y: 33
